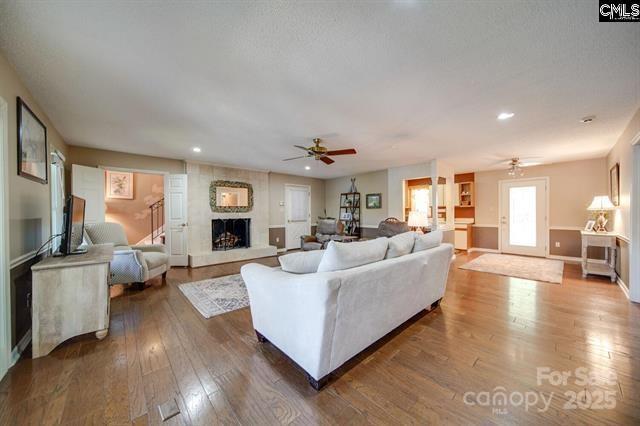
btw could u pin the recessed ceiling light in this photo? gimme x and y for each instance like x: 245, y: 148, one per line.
x: 505, y: 115
x: 588, y: 119
x: 196, y: 149
x: 307, y: 167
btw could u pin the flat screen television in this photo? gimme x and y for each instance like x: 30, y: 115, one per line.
x: 73, y: 226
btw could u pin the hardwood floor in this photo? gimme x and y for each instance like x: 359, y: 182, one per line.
x: 489, y: 332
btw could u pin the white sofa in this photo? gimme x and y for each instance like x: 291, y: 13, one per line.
x: 321, y: 320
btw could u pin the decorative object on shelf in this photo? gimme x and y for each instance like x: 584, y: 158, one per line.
x: 350, y: 203
x: 614, y: 184
x: 589, y: 226
x: 418, y: 220
x: 230, y: 196
x: 32, y: 145
x: 353, y: 185
x: 601, y: 204
x: 345, y: 216
x: 120, y: 185
x: 374, y: 201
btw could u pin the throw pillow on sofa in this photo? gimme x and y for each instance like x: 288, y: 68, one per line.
x: 339, y: 256
x: 427, y: 241
x: 305, y: 262
x: 400, y: 244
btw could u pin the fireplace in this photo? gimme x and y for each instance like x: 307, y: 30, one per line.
x: 227, y: 234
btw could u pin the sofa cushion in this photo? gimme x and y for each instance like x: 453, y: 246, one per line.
x: 155, y: 259
x: 339, y: 256
x: 103, y: 233
x: 305, y: 262
x: 400, y: 244
x: 427, y: 241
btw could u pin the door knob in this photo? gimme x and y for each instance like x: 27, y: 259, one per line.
x: 184, y: 224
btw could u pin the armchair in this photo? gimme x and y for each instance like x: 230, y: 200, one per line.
x: 327, y: 230
x: 130, y: 264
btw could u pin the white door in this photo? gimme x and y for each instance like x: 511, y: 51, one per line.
x: 88, y: 183
x: 176, y: 228
x: 523, y: 217
x: 298, y: 214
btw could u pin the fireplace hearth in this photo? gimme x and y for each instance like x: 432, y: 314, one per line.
x: 228, y: 234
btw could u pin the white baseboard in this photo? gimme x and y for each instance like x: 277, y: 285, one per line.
x: 565, y: 258
x: 281, y: 250
x: 623, y: 287
x: 486, y: 250
x: 20, y: 347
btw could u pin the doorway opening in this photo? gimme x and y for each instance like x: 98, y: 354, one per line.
x: 298, y: 214
x: 523, y: 216
x: 135, y: 200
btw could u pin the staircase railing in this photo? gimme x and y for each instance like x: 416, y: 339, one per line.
x: 157, y: 219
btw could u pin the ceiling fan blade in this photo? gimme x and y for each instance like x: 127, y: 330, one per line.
x: 302, y: 147
x: 342, y: 152
x: 295, y: 158
x: 326, y: 160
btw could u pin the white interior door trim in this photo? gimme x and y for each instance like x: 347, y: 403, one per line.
x: 130, y: 170
x: 176, y: 218
x: 5, y: 306
x: 286, y: 208
x: 501, y: 183
x: 634, y: 246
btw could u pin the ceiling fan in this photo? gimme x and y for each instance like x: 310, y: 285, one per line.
x: 516, y: 165
x: 320, y: 152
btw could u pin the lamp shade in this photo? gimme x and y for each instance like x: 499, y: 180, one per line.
x: 601, y: 203
x: 418, y: 219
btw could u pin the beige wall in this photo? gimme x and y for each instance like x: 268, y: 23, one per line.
x: 29, y: 202
x: 622, y: 153
x: 134, y: 215
x: 277, y: 182
x: 572, y: 187
x: 99, y: 157
x: 367, y: 183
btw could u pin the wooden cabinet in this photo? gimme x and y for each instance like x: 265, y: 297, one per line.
x: 70, y: 298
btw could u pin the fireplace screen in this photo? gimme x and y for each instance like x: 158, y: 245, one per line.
x: 227, y: 234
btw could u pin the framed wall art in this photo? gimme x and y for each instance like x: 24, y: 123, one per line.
x: 374, y: 201
x: 614, y: 184
x: 32, y: 145
x: 120, y: 185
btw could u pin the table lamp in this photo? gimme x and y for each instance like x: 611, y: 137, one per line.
x: 601, y: 204
x: 418, y: 220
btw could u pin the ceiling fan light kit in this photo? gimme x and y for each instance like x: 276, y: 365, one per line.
x: 321, y: 153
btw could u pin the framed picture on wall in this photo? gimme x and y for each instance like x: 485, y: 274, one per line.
x: 374, y: 201
x: 120, y: 185
x: 32, y: 145
x: 614, y: 184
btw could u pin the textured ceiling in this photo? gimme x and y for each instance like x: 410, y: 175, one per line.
x: 402, y: 82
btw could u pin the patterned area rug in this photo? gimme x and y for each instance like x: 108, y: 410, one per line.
x: 531, y: 268
x: 217, y: 295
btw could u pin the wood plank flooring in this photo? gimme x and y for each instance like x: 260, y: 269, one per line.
x: 490, y: 334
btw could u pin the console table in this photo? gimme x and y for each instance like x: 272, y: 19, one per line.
x: 606, y: 240
x: 70, y: 298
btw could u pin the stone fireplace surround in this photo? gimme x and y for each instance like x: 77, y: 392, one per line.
x: 200, y: 215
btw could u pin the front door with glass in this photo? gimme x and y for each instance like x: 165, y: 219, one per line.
x: 523, y: 217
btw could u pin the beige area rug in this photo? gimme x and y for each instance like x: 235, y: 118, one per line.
x: 530, y: 268
x: 217, y: 296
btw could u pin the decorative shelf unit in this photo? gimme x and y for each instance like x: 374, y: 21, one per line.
x: 350, y: 204
x: 465, y: 191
